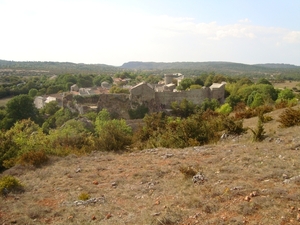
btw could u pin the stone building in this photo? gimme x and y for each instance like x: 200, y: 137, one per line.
x: 155, y: 97
x: 144, y: 93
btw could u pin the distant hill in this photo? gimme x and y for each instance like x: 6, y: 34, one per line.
x: 278, y: 66
x: 219, y: 67
x: 56, y: 67
x: 187, y: 68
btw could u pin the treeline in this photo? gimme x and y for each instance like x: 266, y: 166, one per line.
x: 274, y: 71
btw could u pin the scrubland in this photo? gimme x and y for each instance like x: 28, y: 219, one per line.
x: 243, y: 182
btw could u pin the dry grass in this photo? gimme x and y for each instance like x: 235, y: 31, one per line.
x: 3, y: 101
x: 287, y: 84
x: 244, y: 185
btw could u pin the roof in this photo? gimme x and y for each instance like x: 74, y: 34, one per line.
x: 141, y: 84
x: 217, y: 85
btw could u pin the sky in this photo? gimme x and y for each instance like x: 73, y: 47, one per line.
x: 114, y: 32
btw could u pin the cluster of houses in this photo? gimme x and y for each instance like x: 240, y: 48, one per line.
x: 156, y: 97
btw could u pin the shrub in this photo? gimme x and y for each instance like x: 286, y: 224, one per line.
x: 84, y: 196
x: 114, y: 135
x: 252, y: 112
x: 225, y: 109
x: 259, y: 132
x: 10, y: 184
x: 290, y: 117
x: 34, y: 158
x: 139, y: 112
x: 281, y: 103
x: 232, y: 126
x: 188, y: 171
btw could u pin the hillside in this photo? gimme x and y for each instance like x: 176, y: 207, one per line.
x: 228, y: 68
x: 23, y: 68
x: 241, y: 182
x: 187, y: 68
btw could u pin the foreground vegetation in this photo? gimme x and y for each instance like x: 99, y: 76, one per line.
x: 196, y: 164
x: 28, y: 135
x: 239, y: 182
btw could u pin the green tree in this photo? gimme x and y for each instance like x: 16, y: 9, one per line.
x: 233, y: 100
x: 195, y: 86
x: 286, y: 94
x: 118, y: 90
x: 50, y: 108
x: 263, y: 81
x: 185, y: 84
x: 209, y: 80
x: 32, y: 92
x: 225, y: 109
x: 101, y: 78
x: 183, y: 109
x: 139, y: 112
x: 53, y: 89
x: 85, y: 81
x: 257, y: 101
x: 113, y: 135
x: 211, y: 104
x: 20, y: 107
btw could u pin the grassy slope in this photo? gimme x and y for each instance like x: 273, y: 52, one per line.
x: 146, y: 187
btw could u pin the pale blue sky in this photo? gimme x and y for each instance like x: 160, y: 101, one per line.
x: 117, y: 31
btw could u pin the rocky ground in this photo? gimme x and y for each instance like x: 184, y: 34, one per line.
x: 237, y: 182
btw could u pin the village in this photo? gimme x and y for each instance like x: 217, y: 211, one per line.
x: 157, y: 97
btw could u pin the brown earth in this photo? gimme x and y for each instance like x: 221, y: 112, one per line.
x: 243, y: 183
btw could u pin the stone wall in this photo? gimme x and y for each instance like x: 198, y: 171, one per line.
x: 197, y: 96
x: 120, y: 104
x: 117, y: 104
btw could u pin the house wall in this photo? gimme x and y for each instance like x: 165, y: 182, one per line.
x: 117, y: 104
x: 218, y: 93
x: 142, y: 93
x: 196, y: 96
x: 120, y: 104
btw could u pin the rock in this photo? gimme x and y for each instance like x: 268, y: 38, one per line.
x: 253, y: 194
x: 167, y: 155
x: 95, y: 182
x: 247, y: 198
x: 93, y: 218
x: 109, y: 215
x: 78, y: 170
x: 199, y: 178
x: 114, y: 184
x: 292, y: 179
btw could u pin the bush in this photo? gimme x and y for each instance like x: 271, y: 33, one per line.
x: 225, y: 109
x: 290, y: 117
x: 84, y: 196
x: 115, y: 135
x: 10, y: 184
x: 139, y: 112
x: 188, y: 171
x: 34, y: 158
x: 259, y: 132
x: 252, y: 112
x: 284, y: 103
x: 232, y: 126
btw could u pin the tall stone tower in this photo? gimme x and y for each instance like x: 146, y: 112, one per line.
x: 168, y: 78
